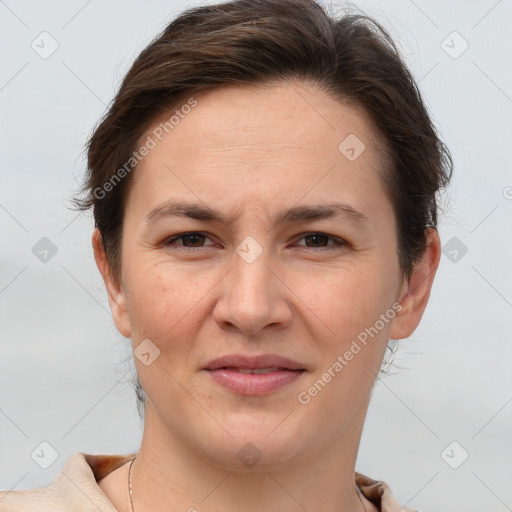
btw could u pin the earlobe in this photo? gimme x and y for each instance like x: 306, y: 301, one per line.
x: 415, y: 294
x: 116, y: 295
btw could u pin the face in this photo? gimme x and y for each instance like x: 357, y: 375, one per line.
x: 285, y: 244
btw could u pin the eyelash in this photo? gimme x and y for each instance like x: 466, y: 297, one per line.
x: 338, y: 242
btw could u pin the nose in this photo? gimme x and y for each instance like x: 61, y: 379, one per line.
x: 253, y: 296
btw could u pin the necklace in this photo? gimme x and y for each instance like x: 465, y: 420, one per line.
x: 131, y: 490
x: 130, y: 483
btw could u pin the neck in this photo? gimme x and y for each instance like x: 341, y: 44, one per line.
x: 169, y: 475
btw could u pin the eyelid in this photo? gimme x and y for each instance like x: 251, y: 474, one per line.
x: 337, y: 241
x: 174, y: 238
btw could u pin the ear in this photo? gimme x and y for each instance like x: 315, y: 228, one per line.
x: 414, y: 294
x: 116, y: 296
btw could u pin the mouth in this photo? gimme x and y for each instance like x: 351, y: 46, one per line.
x: 262, y: 362
x: 254, y: 376
x: 254, y: 381
x: 255, y: 371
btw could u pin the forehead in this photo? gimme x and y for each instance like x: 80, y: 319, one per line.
x: 260, y: 142
x: 258, y: 113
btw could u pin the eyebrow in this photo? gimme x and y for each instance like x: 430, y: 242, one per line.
x: 294, y: 214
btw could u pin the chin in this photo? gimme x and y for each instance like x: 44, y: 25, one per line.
x: 255, y: 442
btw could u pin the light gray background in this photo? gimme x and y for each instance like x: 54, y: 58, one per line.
x: 63, y: 369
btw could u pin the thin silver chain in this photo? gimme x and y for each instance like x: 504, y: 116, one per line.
x: 131, y: 490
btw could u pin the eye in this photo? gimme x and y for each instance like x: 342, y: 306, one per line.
x: 194, y: 238
x: 319, y: 240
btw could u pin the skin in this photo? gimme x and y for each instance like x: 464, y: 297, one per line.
x: 251, y: 152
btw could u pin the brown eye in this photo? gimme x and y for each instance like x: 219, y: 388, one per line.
x: 317, y: 239
x: 321, y: 240
x: 190, y: 240
x: 193, y: 239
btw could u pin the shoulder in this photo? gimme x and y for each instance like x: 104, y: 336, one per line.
x: 43, y: 499
x: 379, y: 493
x: 74, y: 488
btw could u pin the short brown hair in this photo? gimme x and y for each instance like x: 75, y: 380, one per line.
x: 352, y: 57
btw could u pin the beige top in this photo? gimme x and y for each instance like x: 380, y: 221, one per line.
x: 75, y: 489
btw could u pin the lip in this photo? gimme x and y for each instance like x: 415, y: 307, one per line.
x: 224, y: 371
x: 254, y: 362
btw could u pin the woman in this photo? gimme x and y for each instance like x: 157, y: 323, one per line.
x: 264, y: 191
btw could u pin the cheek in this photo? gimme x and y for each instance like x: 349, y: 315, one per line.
x: 341, y: 299
x: 162, y: 306
x: 345, y: 300
x: 160, y: 300
x: 351, y: 339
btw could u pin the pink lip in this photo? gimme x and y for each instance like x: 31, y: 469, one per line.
x: 224, y: 371
x: 249, y: 362
x: 254, y: 384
